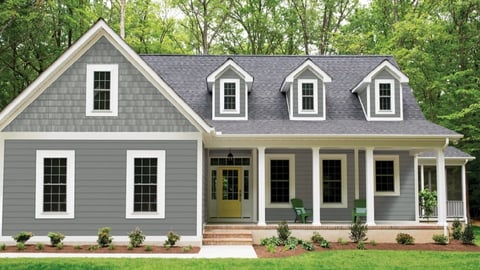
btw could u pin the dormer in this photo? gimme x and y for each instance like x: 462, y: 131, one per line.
x: 305, y: 92
x: 230, y: 85
x: 380, y: 93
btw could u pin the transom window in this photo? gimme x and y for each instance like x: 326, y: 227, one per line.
x: 55, y: 187
x: 334, y: 180
x: 387, y: 177
x: 385, y: 97
x: 102, y: 90
x: 280, y: 186
x: 230, y: 96
x: 145, y: 184
x: 307, y: 96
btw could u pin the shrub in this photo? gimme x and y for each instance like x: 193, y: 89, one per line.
x: 428, y: 201
x: 342, y: 241
x: 187, y: 248
x: 39, y: 246
x: 405, y: 239
x: 307, y: 245
x: 3, y: 246
x: 148, y: 248
x: 270, y: 241
x: 468, y: 236
x: 440, y: 239
x: 55, y: 238
x: 20, y: 246
x: 271, y: 247
x: 457, y: 230
x: 291, y: 243
x: 111, y: 247
x: 317, y: 238
x: 92, y: 248
x: 358, y: 231
x: 130, y: 247
x: 77, y: 247
x: 22, y: 237
x: 59, y: 245
x: 104, y: 237
x: 136, y: 237
x: 361, y: 246
x: 283, y: 231
x: 325, y: 243
x: 172, y: 238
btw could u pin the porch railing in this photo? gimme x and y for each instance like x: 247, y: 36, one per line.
x: 454, y: 210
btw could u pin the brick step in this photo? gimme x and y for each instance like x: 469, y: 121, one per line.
x: 227, y: 237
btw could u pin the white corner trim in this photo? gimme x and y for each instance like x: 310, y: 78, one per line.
x: 390, y: 82
x: 237, y: 96
x: 301, y: 82
x: 200, y: 194
x: 89, y: 109
x: 396, y: 171
x: 291, y: 159
x: 129, y: 210
x: 2, y: 164
x: 313, y: 67
x: 343, y: 159
x: 39, y: 184
x: 235, y: 67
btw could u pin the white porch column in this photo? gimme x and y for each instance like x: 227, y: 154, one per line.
x: 464, y: 192
x: 261, y: 186
x: 441, y: 189
x: 415, y: 170
x: 316, y: 184
x: 370, y: 192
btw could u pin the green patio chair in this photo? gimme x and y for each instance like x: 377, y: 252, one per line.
x: 359, y: 209
x: 300, y: 212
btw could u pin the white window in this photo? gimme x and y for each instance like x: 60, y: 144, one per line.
x: 387, y: 175
x: 55, y: 184
x: 280, y: 177
x: 307, y: 96
x: 102, y: 90
x: 230, y: 96
x: 145, y: 184
x: 333, y: 172
x: 384, y: 96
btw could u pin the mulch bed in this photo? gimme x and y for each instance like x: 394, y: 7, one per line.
x: 84, y: 249
x: 454, y: 245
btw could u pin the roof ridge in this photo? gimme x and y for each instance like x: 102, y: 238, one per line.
x: 269, y: 56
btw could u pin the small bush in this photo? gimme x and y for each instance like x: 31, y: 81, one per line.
x: 342, y: 241
x: 22, y: 237
x: 291, y: 243
x: 130, y: 247
x: 440, y: 239
x: 271, y: 240
x: 317, y: 238
x: 55, y: 238
x: 104, y: 237
x: 325, y: 243
x: 308, y: 245
x: 187, y: 248
x: 361, y: 246
x: 39, y: 246
x: 457, y: 230
x: 111, y: 247
x: 283, y: 231
x: 92, y: 248
x: 172, y: 238
x: 405, y: 239
x: 136, y: 237
x: 358, y: 231
x: 59, y: 245
x: 148, y: 248
x: 373, y: 243
x: 3, y: 246
x: 20, y: 245
x: 77, y: 247
x: 468, y: 236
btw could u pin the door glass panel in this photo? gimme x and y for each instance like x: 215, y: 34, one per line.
x: 230, y: 184
x: 245, y: 185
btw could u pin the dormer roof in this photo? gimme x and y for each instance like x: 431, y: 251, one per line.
x: 387, y: 66
x: 307, y: 64
x: 229, y: 64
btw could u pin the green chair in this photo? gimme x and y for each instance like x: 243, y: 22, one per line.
x: 359, y: 209
x: 300, y: 212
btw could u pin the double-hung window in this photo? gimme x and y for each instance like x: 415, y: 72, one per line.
x: 333, y: 170
x: 280, y: 185
x: 55, y: 184
x: 229, y: 96
x: 385, y: 93
x: 307, y: 96
x: 145, y: 184
x: 102, y: 90
x: 387, y: 175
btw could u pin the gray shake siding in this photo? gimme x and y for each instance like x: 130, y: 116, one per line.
x: 307, y: 74
x: 100, y: 186
x: 230, y: 74
x: 141, y: 107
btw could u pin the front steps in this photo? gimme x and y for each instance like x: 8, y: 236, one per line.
x: 220, y: 235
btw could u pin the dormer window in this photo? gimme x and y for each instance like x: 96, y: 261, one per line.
x: 307, y: 99
x: 229, y: 95
x: 102, y: 90
x: 384, y: 91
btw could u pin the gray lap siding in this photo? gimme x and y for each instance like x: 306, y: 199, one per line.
x: 100, y: 188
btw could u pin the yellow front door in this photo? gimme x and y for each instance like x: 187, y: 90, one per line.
x: 230, y: 192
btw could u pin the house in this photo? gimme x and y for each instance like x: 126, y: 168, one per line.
x: 107, y: 137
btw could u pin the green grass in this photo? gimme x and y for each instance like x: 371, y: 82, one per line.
x: 342, y: 259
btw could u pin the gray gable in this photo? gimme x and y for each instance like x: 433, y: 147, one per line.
x: 267, y: 106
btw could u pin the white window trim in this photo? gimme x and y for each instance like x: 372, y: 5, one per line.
x: 237, y: 96
x: 392, y: 96
x: 70, y: 156
x: 291, y: 181
x: 396, y: 168
x: 300, y: 96
x: 131, y: 155
x: 343, y: 159
x: 113, y: 69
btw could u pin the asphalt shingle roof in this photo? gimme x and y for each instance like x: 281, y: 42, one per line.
x: 267, y: 107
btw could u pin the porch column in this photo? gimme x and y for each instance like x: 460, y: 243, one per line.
x: 370, y: 192
x: 464, y: 192
x: 261, y: 186
x: 415, y: 170
x: 316, y: 184
x: 441, y: 188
